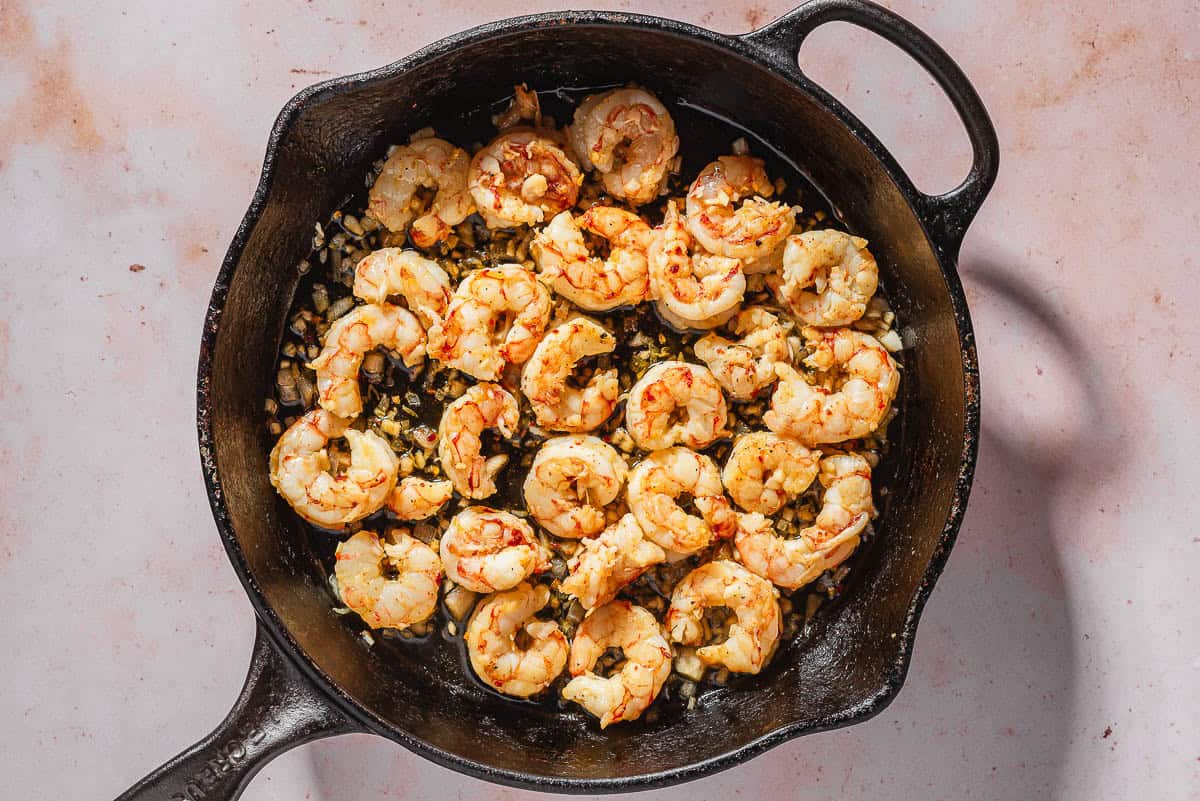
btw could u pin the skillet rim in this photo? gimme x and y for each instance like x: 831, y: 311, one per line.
x: 736, y: 45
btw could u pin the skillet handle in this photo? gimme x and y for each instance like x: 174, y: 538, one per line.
x: 278, y: 709
x: 947, y: 216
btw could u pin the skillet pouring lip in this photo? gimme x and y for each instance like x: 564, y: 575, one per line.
x: 735, y: 46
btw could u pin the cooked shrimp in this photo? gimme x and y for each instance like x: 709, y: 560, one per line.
x: 838, y: 267
x: 522, y: 177
x: 655, y: 484
x: 684, y: 325
x: 749, y: 231
x: 628, y: 136
x: 300, y: 470
x: 626, y: 695
x: 691, y: 284
x: 609, y: 562
x: 347, y: 342
x: 570, y: 482
x: 746, y: 366
x: 384, y: 602
x: 481, y: 407
x: 496, y: 317
x: 676, y: 403
x: 496, y: 657
x: 557, y: 405
x: 588, y: 281
x: 424, y: 285
x: 845, y: 511
x: 753, y: 601
x: 772, y: 262
x: 430, y: 163
x: 486, y: 550
x: 813, y: 414
x: 765, y: 471
x: 418, y: 498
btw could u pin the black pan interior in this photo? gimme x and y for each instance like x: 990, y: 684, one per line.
x: 854, y: 656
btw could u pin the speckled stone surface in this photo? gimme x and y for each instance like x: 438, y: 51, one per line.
x: 1059, y: 656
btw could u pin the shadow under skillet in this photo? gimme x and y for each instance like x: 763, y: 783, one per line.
x: 1003, y: 606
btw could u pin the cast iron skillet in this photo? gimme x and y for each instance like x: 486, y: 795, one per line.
x: 311, y: 676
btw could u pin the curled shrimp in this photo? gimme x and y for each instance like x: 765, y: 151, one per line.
x: 347, y: 342
x: 590, y: 282
x: 429, y: 163
x: 609, y: 562
x: 408, y: 597
x: 423, y: 284
x: 300, y: 470
x: 625, y: 695
x: 845, y: 511
x: 765, y: 471
x: 815, y: 415
x: 496, y: 317
x: 691, y: 284
x: 753, y: 601
x: 627, y: 136
x: 676, y: 403
x: 557, y: 405
x: 570, y: 482
x: 746, y: 366
x: 837, y: 266
x: 481, y: 407
x: 749, y: 231
x: 522, y: 177
x: 418, y: 498
x: 658, y: 481
x: 496, y: 657
x: 684, y: 325
x: 486, y: 550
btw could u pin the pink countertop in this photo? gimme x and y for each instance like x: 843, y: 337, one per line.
x: 1059, y: 656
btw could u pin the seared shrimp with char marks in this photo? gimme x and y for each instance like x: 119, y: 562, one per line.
x: 611, y: 561
x: 746, y: 366
x: 624, y: 696
x: 749, y: 231
x: 497, y: 658
x: 460, y: 449
x: 590, y: 282
x: 300, y: 470
x: 570, y: 482
x: 423, y: 284
x: 627, y: 136
x: 486, y: 550
x: 407, y: 597
x: 845, y: 511
x: 429, y: 163
x: 557, y: 405
x: 419, y: 498
x: 496, y: 317
x: 692, y: 285
x: 351, y: 337
x: 523, y: 177
x: 676, y: 403
x: 815, y: 415
x: 753, y: 601
x: 828, y: 277
x: 683, y: 325
x: 765, y: 471
x: 658, y: 481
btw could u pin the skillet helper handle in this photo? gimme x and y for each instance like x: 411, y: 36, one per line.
x: 278, y: 709
x: 947, y: 216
